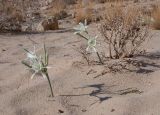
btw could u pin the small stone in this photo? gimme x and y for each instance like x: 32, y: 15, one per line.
x: 50, y: 23
x: 60, y: 111
x: 3, y: 50
x: 84, y: 110
x: 112, y: 110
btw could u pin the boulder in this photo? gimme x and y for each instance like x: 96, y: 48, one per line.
x: 50, y: 23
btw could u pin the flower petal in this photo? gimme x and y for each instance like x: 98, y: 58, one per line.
x: 91, y: 49
x: 44, y: 76
x: 94, y: 49
x: 87, y: 49
x: 33, y: 75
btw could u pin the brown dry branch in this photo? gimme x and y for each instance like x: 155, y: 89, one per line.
x: 156, y: 18
x: 83, y: 13
x: 84, y: 53
x: 57, y: 9
x: 123, y: 31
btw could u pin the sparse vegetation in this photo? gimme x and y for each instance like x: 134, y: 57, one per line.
x: 101, y: 58
x: 81, y: 30
x: 13, y: 16
x: 83, y: 13
x: 38, y: 64
x: 123, y: 31
x: 156, y: 18
x: 58, y: 9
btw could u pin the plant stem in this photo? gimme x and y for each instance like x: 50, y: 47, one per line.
x: 110, y: 51
x: 46, y: 73
x: 100, y: 60
x: 82, y: 36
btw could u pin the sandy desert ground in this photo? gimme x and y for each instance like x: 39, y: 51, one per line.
x: 79, y: 89
x: 131, y: 87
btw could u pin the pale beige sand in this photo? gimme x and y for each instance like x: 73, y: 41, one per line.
x: 76, y: 93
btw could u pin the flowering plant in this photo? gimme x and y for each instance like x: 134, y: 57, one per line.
x: 38, y: 64
x: 81, y: 30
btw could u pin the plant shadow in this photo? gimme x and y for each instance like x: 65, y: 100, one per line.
x: 103, y: 92
x: 148, y: 63
x: 99, y: 89
x: 142, y: 64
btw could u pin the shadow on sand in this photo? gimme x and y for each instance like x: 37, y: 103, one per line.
x: 147, y: 63
x: 100, y: 91
x: 95, y: 93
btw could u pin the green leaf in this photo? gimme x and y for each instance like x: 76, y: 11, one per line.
x: 46, y: 56
x: 26, y: 64
x: 47, y: 59
x: 26, y: 50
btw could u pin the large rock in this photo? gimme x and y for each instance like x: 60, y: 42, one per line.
x: 50, y: 23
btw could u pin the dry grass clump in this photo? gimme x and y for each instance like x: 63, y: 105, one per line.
x: 13, y: 12
x: 12, y: 17
x: 57, y: 9
x: 100, y: 1
x: 104, y: 1
x: 156, y: 18
x: 84, y: 12
x: 123, y: 31
x: 70, y: 1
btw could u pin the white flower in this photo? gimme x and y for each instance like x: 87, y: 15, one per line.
x: 36, y: 63
x: 81, y: 27
x: 31, y: 55
x: 92, y: 44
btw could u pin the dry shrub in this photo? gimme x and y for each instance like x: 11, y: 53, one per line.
x: 12, y: 17
x: 156, y: 18
x: 84, y: 53
x: 70, y: 1
x: 13, y: 12
x: 100, y: 1
x: 123, y: 31
x: 82, y: 13
x: 57, y: 9
x: 109, y: 1
x: 17, y: 15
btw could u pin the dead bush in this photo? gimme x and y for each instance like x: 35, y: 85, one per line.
x: 100, y: 1
x: 57, y: 9
x: 70, y: 1
x: 84, y: 53
x: 123, y: 31
x: 84, y: 12
x: 11, y: 17
x: 156, y: 18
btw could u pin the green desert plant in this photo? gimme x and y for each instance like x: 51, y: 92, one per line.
x: 38, y: 64
x: 81, y: 30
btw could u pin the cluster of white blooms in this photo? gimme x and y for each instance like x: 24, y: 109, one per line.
x: 81, y: 30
